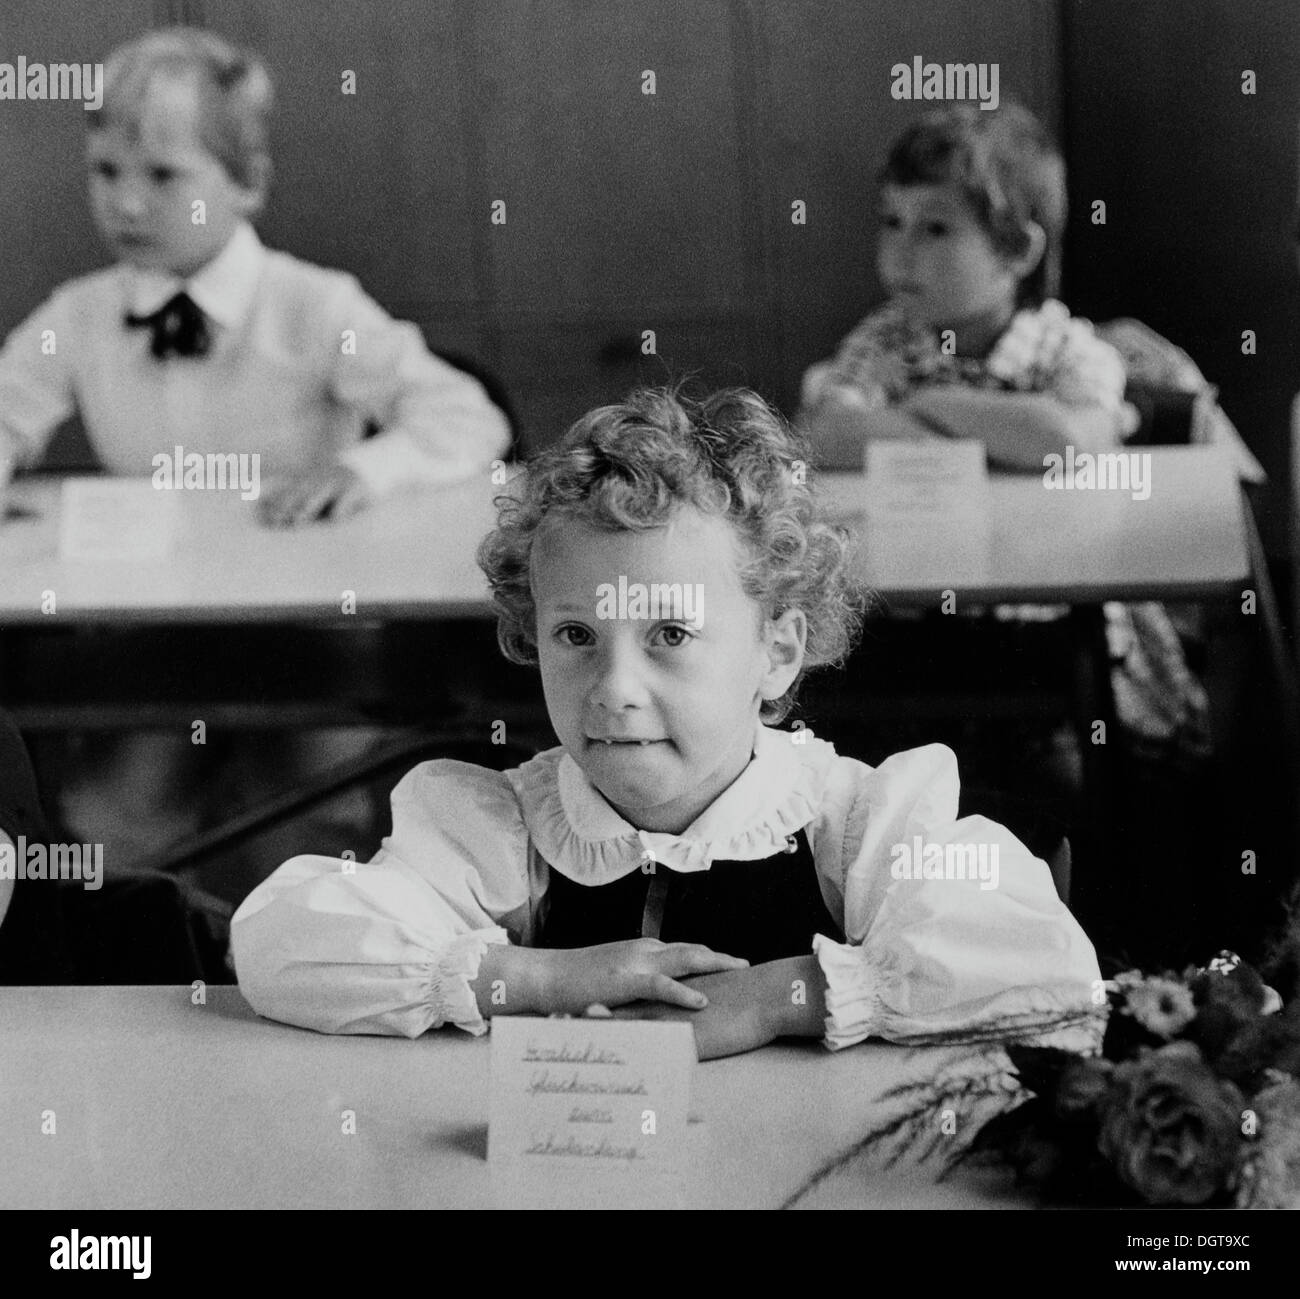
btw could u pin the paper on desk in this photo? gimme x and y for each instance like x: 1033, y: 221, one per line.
x: 590, y: 1106
x: 116, y: 519
x: 928, y: 512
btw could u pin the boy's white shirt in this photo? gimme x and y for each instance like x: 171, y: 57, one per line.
x: 277, y: 380
x: 391, y: 946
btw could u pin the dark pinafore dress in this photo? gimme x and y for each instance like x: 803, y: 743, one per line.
x: 761, y: 910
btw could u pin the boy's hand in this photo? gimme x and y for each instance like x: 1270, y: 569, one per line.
x: 748, y: 1008
x: 640, y: 970
x: 334, y: 492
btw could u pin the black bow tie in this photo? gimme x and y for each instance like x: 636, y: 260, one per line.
x: 179, y: 328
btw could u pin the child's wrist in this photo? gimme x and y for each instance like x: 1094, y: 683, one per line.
x: 514, y: 980
x: 544, y: 979
x: 795, y: 998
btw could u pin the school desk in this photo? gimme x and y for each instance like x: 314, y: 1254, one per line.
x: 412, y: 557
x: 151, y: 1101
x: 406, y: 567
x: 243, y: 626
x: 1185, y: 541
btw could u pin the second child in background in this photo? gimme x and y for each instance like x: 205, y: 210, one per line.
x: 201, y: 337
x: 972, y: 344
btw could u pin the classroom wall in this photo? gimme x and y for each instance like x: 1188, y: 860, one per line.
x: 628, y: 212
x: 1200, y: 186
x: 625, y: 212
x: 671, y: 212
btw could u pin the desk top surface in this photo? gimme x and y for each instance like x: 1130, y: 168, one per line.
x: 1186, y: 540
x: 161, y: 1103
x: 412, y: 556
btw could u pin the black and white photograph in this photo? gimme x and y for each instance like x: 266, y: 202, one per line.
x: 650, y: 605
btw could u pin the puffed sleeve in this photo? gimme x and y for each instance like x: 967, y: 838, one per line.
x: 954, y: 929
x: 391, y: 945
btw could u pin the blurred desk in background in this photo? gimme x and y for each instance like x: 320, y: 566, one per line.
x: 329, y: 623
x: 245, y: 626
x: 1186, y: 541
x: 412, y: 556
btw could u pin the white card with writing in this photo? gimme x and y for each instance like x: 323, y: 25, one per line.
x: 927, y: 482
x: 928, y: 513
x: 116, y: 519
x: 590, y: 1096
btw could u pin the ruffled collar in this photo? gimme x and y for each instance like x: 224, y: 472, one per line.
x: 578, y: 833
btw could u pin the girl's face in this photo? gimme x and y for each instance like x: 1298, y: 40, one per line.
x: 937, y: 260
x: 659, y: 711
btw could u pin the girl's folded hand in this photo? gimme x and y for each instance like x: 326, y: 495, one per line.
x: 748, y: 1008
x: 638, y: 969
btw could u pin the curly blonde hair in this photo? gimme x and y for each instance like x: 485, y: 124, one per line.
x: 630, y: 467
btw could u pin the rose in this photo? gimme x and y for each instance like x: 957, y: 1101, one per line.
x: 1270, y: 1174
x: 1170, y: 1127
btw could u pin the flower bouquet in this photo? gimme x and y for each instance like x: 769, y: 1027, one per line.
x: 1194, y: 1100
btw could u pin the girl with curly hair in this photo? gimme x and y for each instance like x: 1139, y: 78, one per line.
x: 676, y: 856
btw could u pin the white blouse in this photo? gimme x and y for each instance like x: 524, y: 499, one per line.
x: 392, y: 945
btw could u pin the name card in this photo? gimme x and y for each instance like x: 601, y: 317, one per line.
x: 927, y: 482
x: 116, y: 519
x: 595, y: 1105
x: 928, y: 513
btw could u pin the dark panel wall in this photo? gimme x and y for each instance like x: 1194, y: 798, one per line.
x: 44, y: 215
x: 1200, y: 186
x: 625, y: 212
